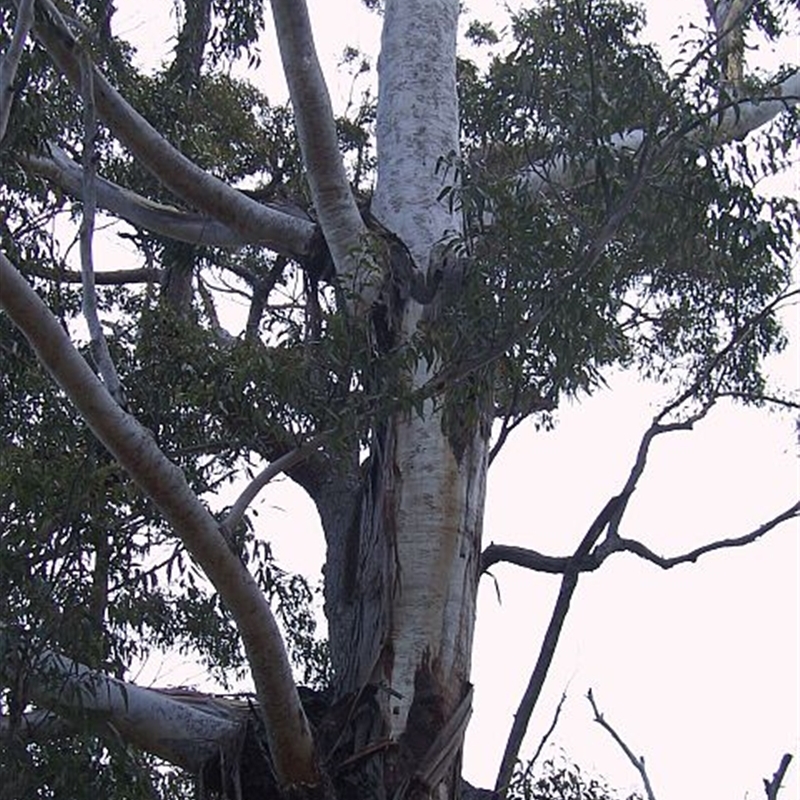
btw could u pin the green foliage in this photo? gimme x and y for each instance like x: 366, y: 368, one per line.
x: 560, y: 779
x: 651, y: 258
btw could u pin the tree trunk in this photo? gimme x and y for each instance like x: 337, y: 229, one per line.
x: 402, y: 571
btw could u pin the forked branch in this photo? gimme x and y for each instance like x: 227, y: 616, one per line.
x: 251, y: 220
x: 548, y: 648
x: 638, y: 763
x: 772, y: 787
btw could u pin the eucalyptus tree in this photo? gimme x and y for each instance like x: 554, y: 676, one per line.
x: 448, y: 260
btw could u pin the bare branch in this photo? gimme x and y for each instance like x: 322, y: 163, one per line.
x: 638, y: 763
x: 250, y: 219
x: 559, y: 565
x: 10, y: 61
x: 99, y: 345
x: 116, y: 277
x: 547, y: 734
x: 334, y: 203
x: 288, y: 734
x: 531, y: 695
x: 772, y: 787
x: 633, y: 546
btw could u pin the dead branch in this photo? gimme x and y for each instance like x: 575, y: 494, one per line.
x: 772, y: 787
x: 638, y: 763
x: 558, y: 565
x: 548, y: 648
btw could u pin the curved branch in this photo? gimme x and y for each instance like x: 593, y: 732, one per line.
x: 10, y: 61
x: 336, y: 209
x: 288, y: 734
x: 177, y: 173
x: 185, y: 226
x: 733, y: 121
x: 282, y: 464
x: 559, y: 565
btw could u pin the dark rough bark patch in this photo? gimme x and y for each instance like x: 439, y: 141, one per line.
x: 427, y: 714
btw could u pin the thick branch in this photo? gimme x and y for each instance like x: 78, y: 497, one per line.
x: 182, y: 727
x: 250, y: 219
x: 731, y: 123
x: 288, y: 734
x: 185, y: 226
x: 10, y: 61
x: 336, y: 209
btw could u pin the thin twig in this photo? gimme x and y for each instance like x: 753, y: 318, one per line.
x: 10, y: 61
x: 638, y: 763
x: 547, y: 734
x: 99, y: 346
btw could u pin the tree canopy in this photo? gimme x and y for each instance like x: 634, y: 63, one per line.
x: 326, y: 297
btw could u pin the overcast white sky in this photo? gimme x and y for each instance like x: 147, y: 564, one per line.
x: 697, y: 667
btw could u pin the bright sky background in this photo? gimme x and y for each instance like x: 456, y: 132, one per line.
x: 697, y: 667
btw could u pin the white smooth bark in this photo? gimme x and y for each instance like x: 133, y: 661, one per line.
x: 183, y: 727
x: 730, y: 124
x: 185, y: 226
x: 438, y: 497
x: 336, y: 209
x: 440, y: 502
x: 288, y: 734
x: 417, y: 122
